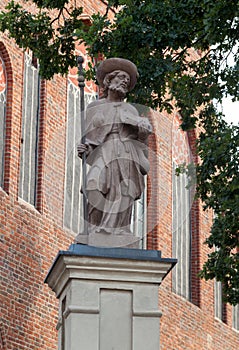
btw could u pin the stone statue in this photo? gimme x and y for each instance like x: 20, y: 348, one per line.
x: 116, y: 150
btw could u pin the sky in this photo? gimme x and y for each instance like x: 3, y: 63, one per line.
x: 229, y: 108
x: 231, y: 111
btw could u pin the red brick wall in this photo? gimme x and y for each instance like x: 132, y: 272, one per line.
x: 31, y: 237
x: 184, y: 324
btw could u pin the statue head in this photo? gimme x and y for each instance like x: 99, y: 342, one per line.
x: 117, y: 73
x: 118, y: 81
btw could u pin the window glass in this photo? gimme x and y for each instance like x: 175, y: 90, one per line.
x: 3, y: 93
x: 181, y: 238
x: 235, y: 317
x: 30, y: 120
x: 218, y: 304
x: 73, y: 208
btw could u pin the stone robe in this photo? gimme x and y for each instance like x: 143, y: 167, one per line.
x: 117, y: 156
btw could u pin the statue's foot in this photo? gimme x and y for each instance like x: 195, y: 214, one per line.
x: 113, y: 231
x: 103, y: 230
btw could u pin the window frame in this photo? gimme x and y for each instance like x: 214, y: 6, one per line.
x: 29, y: 163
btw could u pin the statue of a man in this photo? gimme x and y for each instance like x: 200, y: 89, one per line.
x: 116, y: 150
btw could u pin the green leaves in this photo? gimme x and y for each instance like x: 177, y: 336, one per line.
x: 53, y: 45
x: 218, y: 187
x: 159, y: 36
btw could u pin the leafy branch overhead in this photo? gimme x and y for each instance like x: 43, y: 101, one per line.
x: 50, y: 38
x: 179, y: 47
x: 187, y: 54
x: 218, y: 188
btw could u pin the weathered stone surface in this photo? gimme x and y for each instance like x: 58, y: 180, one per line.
x: 116, y: 148
x: 108, y: 297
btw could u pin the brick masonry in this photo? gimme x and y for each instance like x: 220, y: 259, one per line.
x: 31, y: 237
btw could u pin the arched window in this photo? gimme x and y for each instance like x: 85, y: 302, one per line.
x: 3, y: 98
x: 139, y: 218
x: 218, y: 303
x: 235, y: 317
x: 72, y: 197
x: 30, y: 122
x: 181, y: 197
x: 220, y: 308
x: 181, y: 240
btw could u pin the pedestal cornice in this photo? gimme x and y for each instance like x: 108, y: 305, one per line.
x: 110, y: 264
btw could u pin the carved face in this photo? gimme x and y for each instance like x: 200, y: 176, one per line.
x: 120, y: 82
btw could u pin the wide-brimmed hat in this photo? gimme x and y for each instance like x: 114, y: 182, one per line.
x: 111, y: 64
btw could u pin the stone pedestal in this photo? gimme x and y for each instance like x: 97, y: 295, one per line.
x: 108, y: 297
x: 109, y: 240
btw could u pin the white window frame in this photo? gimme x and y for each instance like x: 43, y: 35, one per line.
x: 3, y: 99
x: 73, y: 207
x: 181, y: 236
x: 139, y: 218
x: 30, y: 124
x: 235, y: 318
x: 218, y: 304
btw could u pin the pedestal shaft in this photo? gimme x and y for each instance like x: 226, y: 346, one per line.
x: 108, y: 300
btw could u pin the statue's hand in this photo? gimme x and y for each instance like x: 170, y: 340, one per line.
x: 144, y: 129
x: 81, y: 148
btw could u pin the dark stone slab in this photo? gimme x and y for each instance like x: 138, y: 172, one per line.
x: 117, y: 253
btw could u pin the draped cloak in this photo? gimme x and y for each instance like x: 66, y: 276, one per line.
x: 117, y: 156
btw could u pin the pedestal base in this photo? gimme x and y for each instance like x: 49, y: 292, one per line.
x: 104, y: 239
x: 108, y: 297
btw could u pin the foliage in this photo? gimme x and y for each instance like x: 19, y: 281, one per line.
x: 158, y: 36
x: 218, y: 187
x: 181, y: 49
x: 51, y: 40
x: 217, y: 184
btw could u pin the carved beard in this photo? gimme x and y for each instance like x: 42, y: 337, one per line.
x: 121, y: 90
